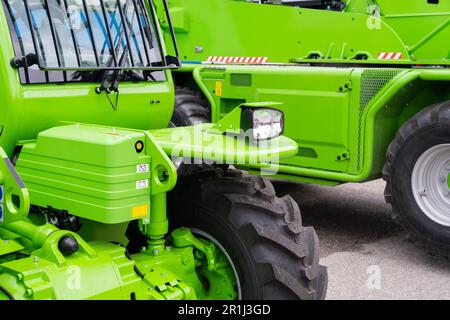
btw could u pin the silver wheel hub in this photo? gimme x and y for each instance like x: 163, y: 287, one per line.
x: 430, y: 183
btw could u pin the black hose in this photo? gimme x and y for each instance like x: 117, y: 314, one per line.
x: 138, y: 272
x: 7, y: 293
x: 127, y: 254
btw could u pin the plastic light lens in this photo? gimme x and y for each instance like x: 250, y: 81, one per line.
x: 267, y: 123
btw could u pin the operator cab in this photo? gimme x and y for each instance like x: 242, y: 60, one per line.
x: 85, y: 40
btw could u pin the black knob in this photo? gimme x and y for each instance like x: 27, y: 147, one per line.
x: 68, y: 245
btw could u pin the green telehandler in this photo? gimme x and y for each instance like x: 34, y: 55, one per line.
x: 101, y: 199
x: 364, y: 87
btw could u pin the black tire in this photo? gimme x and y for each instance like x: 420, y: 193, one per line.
x: 190, y: 108
x: 275, y: 256
x: 429, y: 128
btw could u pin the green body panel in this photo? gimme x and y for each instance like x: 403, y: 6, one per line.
x: 91, y: 172
x: 239, y: 28
x: 341, y: 108
x: 342, y: 118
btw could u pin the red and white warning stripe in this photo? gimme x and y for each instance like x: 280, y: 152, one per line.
x: 243, y: 60
x: 390, y: 56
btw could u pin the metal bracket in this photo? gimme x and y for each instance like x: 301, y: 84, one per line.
x: 183, y: 237
x: 14, y: 196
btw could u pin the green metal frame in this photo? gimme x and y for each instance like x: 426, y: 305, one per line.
x: 74, y: 154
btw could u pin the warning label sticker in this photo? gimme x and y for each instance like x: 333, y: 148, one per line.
x: 142, y: 184
x: 142, y: 168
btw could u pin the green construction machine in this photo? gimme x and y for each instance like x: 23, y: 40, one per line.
x: 364, y: 87
x: 100, y: 198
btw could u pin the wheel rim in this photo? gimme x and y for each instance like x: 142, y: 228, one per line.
x: 209, y: 237
x: 431, y: 183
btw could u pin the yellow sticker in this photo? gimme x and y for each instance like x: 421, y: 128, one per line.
x: 219, y: 88
x: 139, y: 211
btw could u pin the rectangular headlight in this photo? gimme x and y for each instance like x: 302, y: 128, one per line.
x: 264, y: 123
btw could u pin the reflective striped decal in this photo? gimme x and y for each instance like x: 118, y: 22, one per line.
x: 390, y: 56
x: 245, y: 60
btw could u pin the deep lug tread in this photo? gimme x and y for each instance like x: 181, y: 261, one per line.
x: 285, y: 254
x: 292, y: 283
x: 190, y: 108
x: 271, y: 234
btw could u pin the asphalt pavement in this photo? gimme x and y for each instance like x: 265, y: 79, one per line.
x: 367, y: 255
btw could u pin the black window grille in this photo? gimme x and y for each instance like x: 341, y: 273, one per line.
x: 71, y: 40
